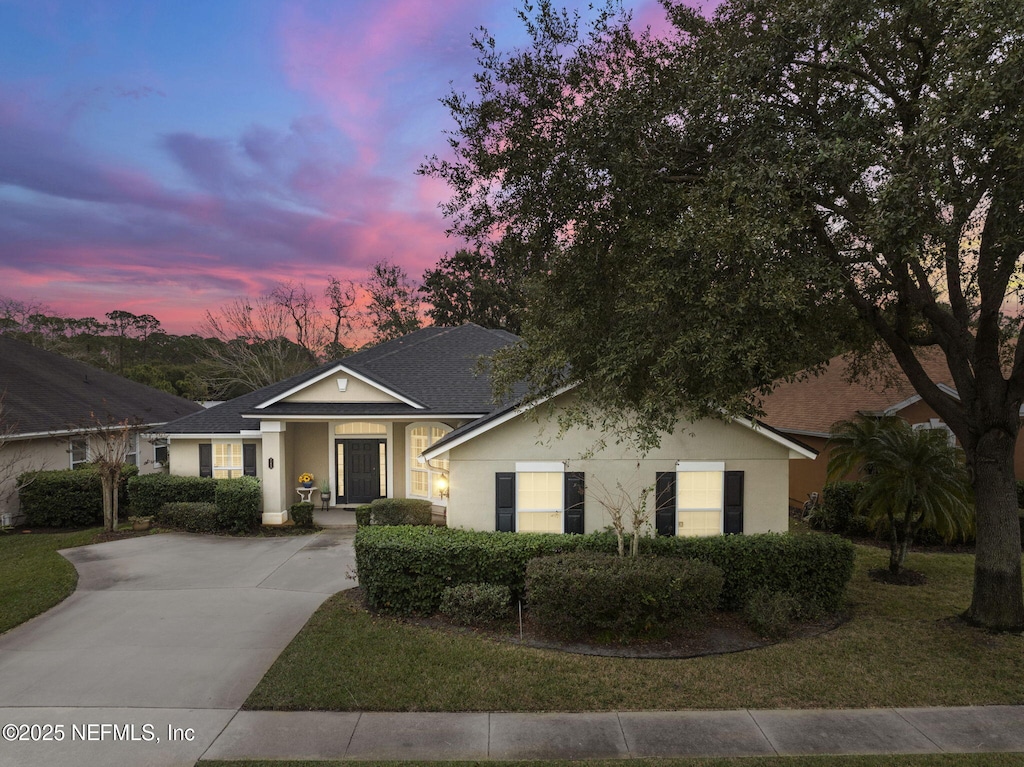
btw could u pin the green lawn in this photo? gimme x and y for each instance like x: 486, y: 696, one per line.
x: 910, y: 760
x: 901, y: 648
x: 33, y: 576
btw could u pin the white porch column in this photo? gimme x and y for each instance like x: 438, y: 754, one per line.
x: 275, y: 483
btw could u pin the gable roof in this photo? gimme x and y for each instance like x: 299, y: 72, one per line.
x: 46, y: 393
x: 811, y: 405
x: 434, y: 371
x: 504, y: 414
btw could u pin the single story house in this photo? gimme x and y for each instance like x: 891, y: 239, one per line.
x: 807, y: 408
x: 414, y: 418
x: 52, y: 406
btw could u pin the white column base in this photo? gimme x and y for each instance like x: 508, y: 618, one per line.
x: 275, y: 517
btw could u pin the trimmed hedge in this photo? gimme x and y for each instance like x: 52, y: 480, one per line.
x: 238, y: 503
x: 69, y: 498
x: 149, y: 492
x: 363, y: 515
x: 583, y: 594
x: 406, y: 569
x: 301, y: 514
x: 189, y: 516
x: 399, y: 511
x: 472, y: 604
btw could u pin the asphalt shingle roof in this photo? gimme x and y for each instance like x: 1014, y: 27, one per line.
x: 435, y: 367
x: 45, y: 392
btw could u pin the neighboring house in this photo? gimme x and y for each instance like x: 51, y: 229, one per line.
x: 806, y: 409
x: 51, y: 404
x: 414, y: 418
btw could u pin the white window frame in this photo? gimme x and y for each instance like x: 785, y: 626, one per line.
x: 387, y: 470
x: 540, y: 467
x: 684, y: 467
x: 936, y: 424
x: 435, y: 470
x: 71, y: 451
x: 229, y: 468
x: 132, y: 455
x: 157, y: 445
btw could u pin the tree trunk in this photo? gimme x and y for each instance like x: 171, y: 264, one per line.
x: 894, y: 545
x: 108, y: 510
x: 998, y: 600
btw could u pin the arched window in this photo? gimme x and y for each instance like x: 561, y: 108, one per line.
x: 424, y: 478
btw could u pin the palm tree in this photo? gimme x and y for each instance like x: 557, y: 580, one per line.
x: 913, y: 478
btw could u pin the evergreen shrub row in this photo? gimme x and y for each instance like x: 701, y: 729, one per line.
x: 149, y: 492
x: 400, y: 511
x: 238, y: 504
x: 190, y: 516
x: 68, y: 498
x: 406, y: 569
x: 583, y: 594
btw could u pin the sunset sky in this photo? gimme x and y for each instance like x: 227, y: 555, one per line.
x: 168, y: 157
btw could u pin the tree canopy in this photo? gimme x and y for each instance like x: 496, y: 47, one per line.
x: 723, y: 205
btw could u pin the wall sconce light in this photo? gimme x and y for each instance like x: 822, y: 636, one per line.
x: 442, y: 486
x: 270, y: 463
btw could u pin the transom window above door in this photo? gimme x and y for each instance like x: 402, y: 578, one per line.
x: 360, y: 427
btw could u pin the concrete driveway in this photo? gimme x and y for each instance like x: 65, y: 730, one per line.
x: 160, y: 644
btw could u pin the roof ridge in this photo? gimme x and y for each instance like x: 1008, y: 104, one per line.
x: 398, y: 348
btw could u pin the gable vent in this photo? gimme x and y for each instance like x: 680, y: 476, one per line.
x: 342, y: 384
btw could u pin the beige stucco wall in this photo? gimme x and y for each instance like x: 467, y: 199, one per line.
x: 473, y: 465
x: 327, y: 391
x: 50, y: 454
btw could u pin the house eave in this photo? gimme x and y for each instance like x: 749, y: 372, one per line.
x: 341, y: 368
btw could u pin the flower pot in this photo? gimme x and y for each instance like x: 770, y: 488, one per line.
x: 307, y: 484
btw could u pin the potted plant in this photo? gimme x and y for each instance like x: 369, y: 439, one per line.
x: 140, y: 523
x: 325, y: 491
x: 306, y: 479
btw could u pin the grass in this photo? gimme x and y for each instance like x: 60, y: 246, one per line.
x: 33, y: 576
x: 902, y: 647
x: 887, y: 760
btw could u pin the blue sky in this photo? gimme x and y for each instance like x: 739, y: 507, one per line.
x: 168, y: 157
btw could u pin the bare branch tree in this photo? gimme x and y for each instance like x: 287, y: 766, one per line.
x: 341, y: 301
x: 311, y: 331
x: 112, y: 442
x: 625, y: 503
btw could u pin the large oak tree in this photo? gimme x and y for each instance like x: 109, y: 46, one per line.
x: 734, y: 200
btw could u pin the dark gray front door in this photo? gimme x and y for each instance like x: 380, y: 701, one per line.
x: 360, y: 463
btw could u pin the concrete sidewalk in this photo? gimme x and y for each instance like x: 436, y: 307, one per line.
x: 630, y: 735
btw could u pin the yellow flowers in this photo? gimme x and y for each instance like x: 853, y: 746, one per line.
x: 305, y: 478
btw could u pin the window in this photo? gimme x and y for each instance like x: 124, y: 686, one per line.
x: 360, y: 428
x: 699, y: 498
x: 937, y: 425
x: 160, y: 453
x: 539, y: 497
x: 132, y: 456
x: 425, y: 479
x: 79, y: 450
x: 227, y: 460
x: 539, y: 501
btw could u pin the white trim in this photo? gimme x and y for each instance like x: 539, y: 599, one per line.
x: 334, y: 371
x: 549, y: 467
x: 139, y: 428
x: 700, y: 466
x: 794, y: 447
x: 216, y: 435
x: 422, y: 464
x: 483, y: 428
x: 373, y: 417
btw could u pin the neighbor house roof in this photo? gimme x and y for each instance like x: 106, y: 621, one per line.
x: 46, y: 393
x: 811, y: 404
x: 433, y: 371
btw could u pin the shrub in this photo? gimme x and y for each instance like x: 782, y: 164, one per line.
x: 189, y: 516
x: 771, y: 613
x: 400, y: 511
x: 363, y: 515
x: 238, y: 503
x: 587, y: 594
x: 68, y: 498
x: 838, y: 508
x: 406, y: 569
x: 473, y: 604
x: 149, y: 492
x: 301, y: 514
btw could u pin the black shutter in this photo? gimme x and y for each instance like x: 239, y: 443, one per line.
x: 574, y: 492
x: 665, y: 503
x: 733, y: 523
x: 249, y: 460
x: 206, y: 460
x: 505, y: 502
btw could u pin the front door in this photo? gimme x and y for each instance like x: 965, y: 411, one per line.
x: 361, y: 470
